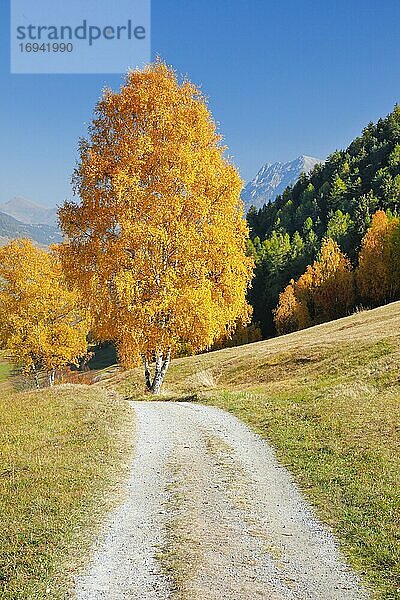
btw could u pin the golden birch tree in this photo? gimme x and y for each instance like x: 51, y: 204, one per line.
x: 378, y: 271
x: 333, y: 283
x: 324, y: 292
x: 41, y: 323
x: 157, y: 241
x: 291, y: 313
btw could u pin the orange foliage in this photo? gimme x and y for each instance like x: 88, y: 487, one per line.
x: 291, y: 314
x: 333, y: 283
x: 157, y: 243
x: 377, y: 274
x: 243, y: 334
x: 41, y: 322
x: 324, y: 292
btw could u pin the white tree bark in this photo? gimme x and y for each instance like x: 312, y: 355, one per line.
x: 160, y: 370
x: 35, y: 375
x: 52, y: 376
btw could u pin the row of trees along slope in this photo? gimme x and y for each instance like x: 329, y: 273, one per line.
x: 156, y: 244
x: 331, y: 288
x: 336, y: 200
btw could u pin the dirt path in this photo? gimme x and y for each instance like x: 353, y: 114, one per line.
x: 211, y: 515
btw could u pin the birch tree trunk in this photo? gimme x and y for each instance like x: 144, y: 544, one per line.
x: 160, y: 370
x: 35, y: 375
x: 147, y: 374
x: 52, y: 376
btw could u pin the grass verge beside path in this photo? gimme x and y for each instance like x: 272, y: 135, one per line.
x: 341, y: 441
x: 328, y: 400
x: 5, y: 367
x: 64, y: 454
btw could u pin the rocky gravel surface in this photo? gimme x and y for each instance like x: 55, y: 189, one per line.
x: 210, y: 514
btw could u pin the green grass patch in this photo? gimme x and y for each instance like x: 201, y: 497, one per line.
x: 5, y: 368
x: 5, y: 371
x: 347, y: 468
x: 63, y: 453
x: 328, y: 400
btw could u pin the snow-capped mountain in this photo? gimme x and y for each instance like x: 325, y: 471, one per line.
x: 29, y: 212
x: 273, y: 178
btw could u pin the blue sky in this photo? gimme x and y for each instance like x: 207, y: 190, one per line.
x: 283, y: 79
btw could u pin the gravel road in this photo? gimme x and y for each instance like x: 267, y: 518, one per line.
x: 211, y: 515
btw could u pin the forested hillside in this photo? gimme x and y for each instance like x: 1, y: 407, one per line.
x: 336, y: 200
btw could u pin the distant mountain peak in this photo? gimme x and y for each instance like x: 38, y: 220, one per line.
x: 11, y: 228
x: 273, y: 178
x: 29, y: 212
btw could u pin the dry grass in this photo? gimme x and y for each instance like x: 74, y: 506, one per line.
x: 63, y: 456
x: 328, y: 400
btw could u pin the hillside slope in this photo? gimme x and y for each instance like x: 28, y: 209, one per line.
x: 63, y: 455
x: 29, y: 212
x: 335, y: 200
x: 327, y: 398
x: 10, y: 228
x: 357, y: 181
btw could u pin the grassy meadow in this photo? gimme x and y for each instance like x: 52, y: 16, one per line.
x: 63, y: 457
x: 327, y: 398
x: 5, y: 368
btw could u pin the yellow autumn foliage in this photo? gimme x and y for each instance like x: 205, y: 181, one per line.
x: 243, y: 334
x: 157, y: 242
x: 378, y: 276
x: 325, y: 291
x: 41, y: 324
x: 333, y: 291
x: 291, y: 313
